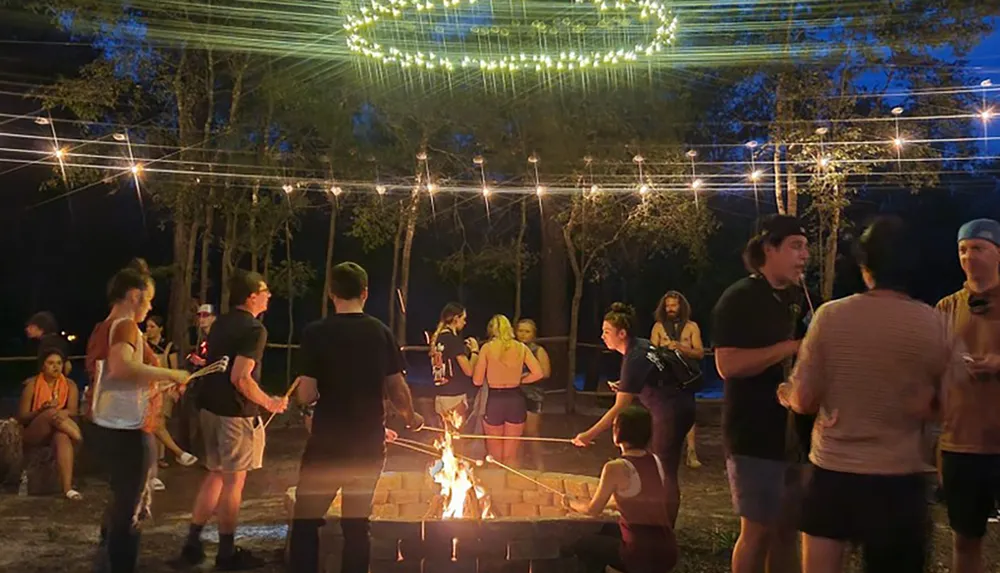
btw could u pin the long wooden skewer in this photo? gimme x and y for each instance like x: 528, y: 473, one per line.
x: 414, y: 448
x: 492, y: 460
x: 521, y: 438
x: 435, y: 452
x: 219, y: 365
x: 287, y: 394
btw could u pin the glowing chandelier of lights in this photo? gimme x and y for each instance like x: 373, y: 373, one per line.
x: 582, y: 36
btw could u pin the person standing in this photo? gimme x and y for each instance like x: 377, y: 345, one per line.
x: 645, y: 376
x: 230, y: 406
x: 452, y: 362
x: 351, y: 365
x: 870, y: 366
x: 675, y: 330
x: 534, y: 394
x: 198, y: 356
x: 757, y: 328
x: 501, y: 367
x: 121, y: 396
x: 970, y: 437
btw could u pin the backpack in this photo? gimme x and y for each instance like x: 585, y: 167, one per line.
x: 675, y: 370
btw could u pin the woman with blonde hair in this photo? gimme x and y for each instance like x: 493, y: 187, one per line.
x: 501, y: 366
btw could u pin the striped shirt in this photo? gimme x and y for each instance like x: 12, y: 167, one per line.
x: 871, y: 363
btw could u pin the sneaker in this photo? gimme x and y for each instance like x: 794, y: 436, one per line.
x: 994, y: 517
x: 692, y: 460
x: 239, y: 560
x: 187, y: 460
x: 157, y: 484
x: 74, y: 495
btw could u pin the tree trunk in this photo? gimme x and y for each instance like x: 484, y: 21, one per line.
x: 291, y: 304
x: 395, y: 273
x: 206, y: 241
x: 574, y: 322
x: 254, y: 250
x: 329, y: 257
x: 830, y: 248
x: 404, y: 281
x: 228, y: 244
x: 554, y: 320
x: 519, y: 260
x: 777, y: 180
x: 179, y: 310
x: 793, y: 193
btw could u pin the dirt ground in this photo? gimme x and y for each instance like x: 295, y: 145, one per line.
x: 55, y: 535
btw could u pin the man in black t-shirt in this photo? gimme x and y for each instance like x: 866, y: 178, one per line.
x: 231, y: 403
x: 351, y: 364
x: 758, y: 325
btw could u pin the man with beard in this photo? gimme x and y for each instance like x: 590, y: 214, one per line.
x: 758, y: 325
x: 675, y: 330
x: 970, y: 438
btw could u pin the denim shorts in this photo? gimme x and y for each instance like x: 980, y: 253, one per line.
x: 766, y: 491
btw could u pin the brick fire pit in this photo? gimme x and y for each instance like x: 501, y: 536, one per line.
x: 530, y: 528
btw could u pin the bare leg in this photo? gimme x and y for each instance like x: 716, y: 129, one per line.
x: 822, y: 555
x: 63, y: 446
x: 751, y: 547
x: 164, y: 438
x: 512, y: 448
x: 533, y: 427
x: 229, y: 501
x: 40, y: 429
x: 968, y: 555
x: 783, y: 552
x: 208, y: 498
x: 692, y: 451
x: 494, y: 447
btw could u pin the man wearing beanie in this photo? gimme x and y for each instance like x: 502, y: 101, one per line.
x: 970, y: 438
x: 758, y: 324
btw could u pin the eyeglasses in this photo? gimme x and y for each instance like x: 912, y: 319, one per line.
x: 979, y: 304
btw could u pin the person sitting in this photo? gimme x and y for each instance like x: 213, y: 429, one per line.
x: 644, y: 541
x: 48, y: 404
x: 501, y: 363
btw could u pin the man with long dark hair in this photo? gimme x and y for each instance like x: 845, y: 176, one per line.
x: 675, y: 330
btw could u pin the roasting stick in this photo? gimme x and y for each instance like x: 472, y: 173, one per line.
x: 521, y: 438
x: 434, y: 452
x: 492, y: 460
x: 219, y: 365
x: 414, y: 448
x: 287, y: 395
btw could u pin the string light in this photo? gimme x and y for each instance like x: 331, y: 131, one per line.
x: 380, y: 189
x: 824, y: 161
x: 287, y: 188
x: 897, y: 141
x: 695, y: 182
x: 481, y: 163
x: 394, y: 34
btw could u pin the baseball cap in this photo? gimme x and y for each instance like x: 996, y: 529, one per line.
x: 206, y: 309
x: 775, y: 228
x: 985, y: 229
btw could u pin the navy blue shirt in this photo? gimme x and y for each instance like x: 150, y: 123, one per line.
x: 640, y: 376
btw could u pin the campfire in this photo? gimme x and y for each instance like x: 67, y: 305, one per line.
x: 461, y: 496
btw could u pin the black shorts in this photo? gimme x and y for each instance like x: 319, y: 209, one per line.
x: 505, y: 406
x: 887, y: 515
x: 971, y: 491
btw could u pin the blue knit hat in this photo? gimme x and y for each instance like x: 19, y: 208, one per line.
x: 985, y: 229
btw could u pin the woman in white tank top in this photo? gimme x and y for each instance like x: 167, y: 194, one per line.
x: 122, y: 388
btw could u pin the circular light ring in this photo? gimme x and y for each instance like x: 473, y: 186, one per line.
x: 373, y: 32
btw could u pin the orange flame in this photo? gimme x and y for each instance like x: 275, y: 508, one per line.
x: 455, y: 475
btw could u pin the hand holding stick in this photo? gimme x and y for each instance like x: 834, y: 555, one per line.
x: 288, y: 394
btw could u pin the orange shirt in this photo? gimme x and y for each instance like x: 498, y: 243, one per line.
x: 970, y: 422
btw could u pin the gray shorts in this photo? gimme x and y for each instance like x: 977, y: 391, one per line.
x: 232, y: 444
x: 766, y: 491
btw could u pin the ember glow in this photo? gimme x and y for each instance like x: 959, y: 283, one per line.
x: 460, y: 495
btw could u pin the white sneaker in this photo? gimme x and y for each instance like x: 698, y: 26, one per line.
x: 187, y: 459
x: 74, y: 495
x: 157, y: 484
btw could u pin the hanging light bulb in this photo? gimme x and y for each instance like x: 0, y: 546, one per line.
x: 287, y: 188
x: 696, y: 184
x: 486, y: 191
x: 756, y: 175
x: 898, y: 142
x: 336, y: 191
x: 60, y: 154
x: 380, y: 189
x: 643, y: 189
x: 539, y: 190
